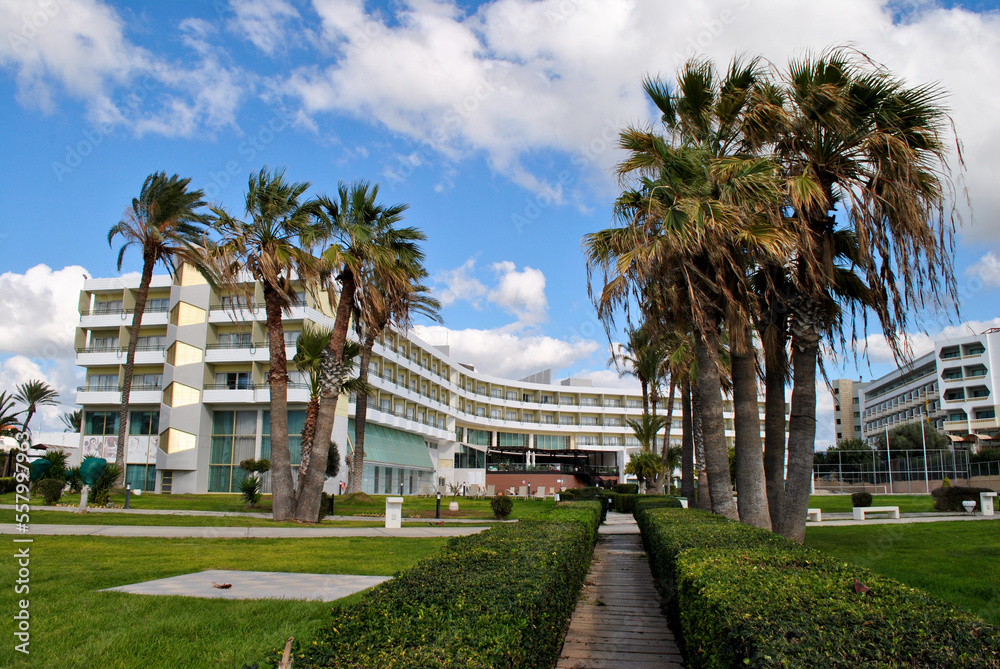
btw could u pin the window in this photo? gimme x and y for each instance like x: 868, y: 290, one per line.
x: 157, y: 305
x: 588, y: 420
x: 141, y: 477
x: 551, y: 442
x: 296, y: 421
x: 103, y: 343
x: 495, y: 413
x: 151, y: 343
x: 481, y: 390
x: 102, y: 382
x: 512, y: 440
x: 469, y: 458
x: 512, y: 395
x: 527, y: 397
x: 291, y: 338
x: 233, y: 440
x: 233, y: 381
x: 101, y: 422
x: 385, y: 406
x: 496, y: 392
x: 144, y: 423
x: 234, y: 340
x: 985, y: 413
x: 147, y: 382
x: 108, y: 307
x: 479, y: 437
x: 235, y: 302
x: 511, y: 415
x: 481, y: 412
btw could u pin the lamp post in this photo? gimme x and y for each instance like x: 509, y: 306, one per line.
x: 438, y: 512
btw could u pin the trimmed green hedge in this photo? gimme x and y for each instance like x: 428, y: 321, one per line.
x: 748, y: 597
x: 7, y: 484
x: 950, y: 498
x: 627, y: 503
x: 501, y: 598
x: 626, y: 488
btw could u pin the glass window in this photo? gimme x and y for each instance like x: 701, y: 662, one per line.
x: 233, y: 440
x: 144, y: 423
x: 101, y: 422
x: 479, y: 437
x: 142, y: 477
x: 296, y: 422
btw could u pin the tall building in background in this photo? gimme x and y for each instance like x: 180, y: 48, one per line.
x: 954, y: 387
x: 199, y: 403
x: 847, y: 408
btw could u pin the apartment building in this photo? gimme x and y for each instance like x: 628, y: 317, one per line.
x: 199, y: 403
x: 953, y: 386
x: 847, y: 408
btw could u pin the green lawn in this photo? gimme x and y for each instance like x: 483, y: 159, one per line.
x: 414, y: 506
x: 842, y: 503
x: 74, y: 626
x: 64, y: 518
x: 956, y: 561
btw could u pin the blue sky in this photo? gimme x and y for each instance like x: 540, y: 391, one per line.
x: 495, y: 121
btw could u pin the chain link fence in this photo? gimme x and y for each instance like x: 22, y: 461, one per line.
x: 903, y: 472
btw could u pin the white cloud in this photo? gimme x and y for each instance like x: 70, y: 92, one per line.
x: 921, y: 343
x: 40, y: 309
x: 987, y: 269
x: 506, y: 354
x: 262, y: 22
x: 606, y: 378
x: 522, y: 76
x: 520, y: 293
x: 62, y: 376
x: 80, y: 49
x: 459, y: 284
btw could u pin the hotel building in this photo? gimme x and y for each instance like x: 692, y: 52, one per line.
x: 199, y: 401
x: 954, y: 386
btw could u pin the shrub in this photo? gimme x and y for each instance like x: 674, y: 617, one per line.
x: 57, y: 471
x: 358, y: 497
x: 747, y: 597
x: 74, y: 480
x: 502, y: 505
x: 250, y: 489
x: 655, y: 502
x: 950, y: 498
x: 7, y: 484
x: 251, y: 465
x: 627, y: 503
x: 626, y: 488
x: 497, y: 599
x: 946, y: 483
x: 100, y: 492
x: 861, y: 499
x: 324, y: 506
x: 50, y: 489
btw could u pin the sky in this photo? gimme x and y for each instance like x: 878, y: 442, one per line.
x: 495, y: 121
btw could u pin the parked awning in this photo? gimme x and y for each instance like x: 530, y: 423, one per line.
x: 386, y: 446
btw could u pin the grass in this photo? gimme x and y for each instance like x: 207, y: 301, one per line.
x: 955, y: 561
x: 373, y: 505
x: 74, y: 626
x: 842, y: 503
x: 64, y: 518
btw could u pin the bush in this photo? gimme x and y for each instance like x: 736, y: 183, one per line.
x: 50, y: 489
x: 250, y: 490
x: 57, y: 471
x: 324, y: 506
x: 7, y: 484
x: 74, y: 480
x: 950, y: 498
x: 100, y: 492
x: 747, y: 597
x: 626, y: 488
x: 497, y: 599
x: 627, y: 503
x: 502, y: 505
x: 861, y: 499
x: 251, y: 465
x: 356, y: 497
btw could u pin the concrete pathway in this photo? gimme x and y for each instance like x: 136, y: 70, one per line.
x: 618, y: 621
x: 237, y: 532
x: 255, y: 585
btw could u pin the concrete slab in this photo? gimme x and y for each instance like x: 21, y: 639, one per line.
x: 256, y: 585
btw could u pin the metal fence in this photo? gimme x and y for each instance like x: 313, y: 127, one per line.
x: 905, y: 472
x: 991, y: 468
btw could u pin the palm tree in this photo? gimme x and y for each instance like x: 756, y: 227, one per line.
x: 642, y: 358
x: 72, y: 420
x: 308, y: 357
x: 362, y: 241
x: 273, y: 247
x: 645, y: 466
x: 166, y: 226
x: 34, y: 394
x: 391, y: 305
x: 727, y: 116
x: 8, y: 416
x: 857, y: 137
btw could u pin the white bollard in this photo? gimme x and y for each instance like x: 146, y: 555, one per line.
x: 393, y: 512
x: 986, y: 503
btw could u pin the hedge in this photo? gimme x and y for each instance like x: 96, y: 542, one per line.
x: 950, y: 498
x: 7, y: 484
x: 748, y: 597
x: 627, y: 503
x: 501, y: 598
x: 626, y: 488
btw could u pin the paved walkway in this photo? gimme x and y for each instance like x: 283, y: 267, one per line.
x: 237, y: 532
x: 255, y: 585
x: 618, y: 621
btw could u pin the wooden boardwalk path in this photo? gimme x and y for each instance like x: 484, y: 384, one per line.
x: 618, y: 623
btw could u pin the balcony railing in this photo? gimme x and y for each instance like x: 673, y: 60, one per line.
x: 233, y: 386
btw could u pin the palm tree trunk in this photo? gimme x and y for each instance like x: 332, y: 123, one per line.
x: 308, y: 437
x: 801, y: 437
x: 645, y: 396
x: 665, y: 450
x: 133, y: 339
x: 331, y: 380
x: 282, y: 486
x: 713, y: 424
x: 687, y: 443
x: 774, y: 430
x: 360, y: 420
x: 704, y: 500
x: 751, y: 490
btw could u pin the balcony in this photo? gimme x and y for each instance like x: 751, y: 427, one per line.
x: 242, y: 352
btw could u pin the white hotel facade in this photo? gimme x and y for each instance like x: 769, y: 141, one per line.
x: 955, y: 386
x: 200, y: 402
